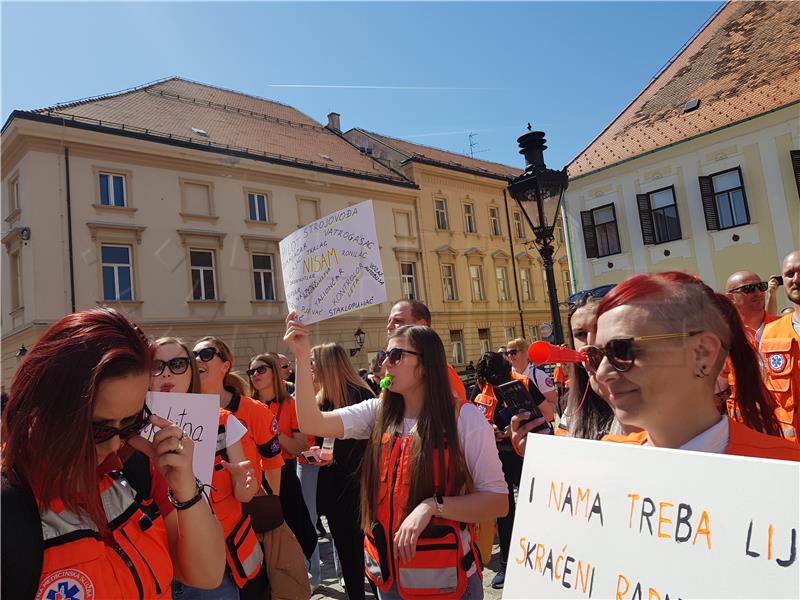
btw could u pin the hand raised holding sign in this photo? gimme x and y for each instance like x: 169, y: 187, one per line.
x: 171, y: 451
x: 297, y: 336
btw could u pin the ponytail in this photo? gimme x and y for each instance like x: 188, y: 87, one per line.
x: 755, y: 402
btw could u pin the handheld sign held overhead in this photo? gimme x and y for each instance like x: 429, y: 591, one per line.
x: 605, y: 520
x: 333, y: 265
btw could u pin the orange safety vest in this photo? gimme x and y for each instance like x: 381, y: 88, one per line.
x: 441, y: 564
x: 486, y: 401
x: 742, y: 441
x: 780, y: 346
x: 242, y: 548
x: 261, y: 445
x: 78, y: 563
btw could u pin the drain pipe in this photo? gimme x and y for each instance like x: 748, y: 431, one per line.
x: 69, y: 232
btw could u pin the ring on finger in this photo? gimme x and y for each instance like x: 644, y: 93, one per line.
x: 179, y: 447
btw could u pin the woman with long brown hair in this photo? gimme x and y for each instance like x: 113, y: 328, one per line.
x: 339, y: 484
x: 423, y: 485
x: 108, y: 514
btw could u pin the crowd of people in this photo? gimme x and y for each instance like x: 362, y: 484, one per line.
x: 413, y: 473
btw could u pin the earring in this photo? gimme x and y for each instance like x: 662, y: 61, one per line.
x: 702, y: 372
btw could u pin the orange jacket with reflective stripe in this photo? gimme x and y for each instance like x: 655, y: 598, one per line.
x: 780, y: 346
x: 242, y: 548
x: 445, y: 550
x: 486, y: 401
x: 134, y: 563
x: 261, y: 444
x: 742, y: 441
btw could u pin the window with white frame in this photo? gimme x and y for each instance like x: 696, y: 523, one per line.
x: 729, y: 199
x: 494, y: 221
x: 469, y: 219
x: 112, y: 189
x: 501, y: 273
x: 408, y: 278
x: 264, y: 276
x: 449, y: 282
x: 485, y: 341
x: 525, y: 283
x: 258, y: 207
x: 511, y: 333
x: 476, y: 279
x: 117, y: 272
x: 204, y: 285
x: 457, y: 341
x: 519, y: 227
x: 533, y: 333
x: 440, y: 208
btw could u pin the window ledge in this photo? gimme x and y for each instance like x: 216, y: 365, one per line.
x: 480, y: 302
x: 456, y: 301
x: 118, y: 302
x: 13, y: 215
x: 740, y: 235
x: 205, y: 301
x: 208, y: 218
x: 128, y: 210
x: 266, y: 302
x: 257, y: 223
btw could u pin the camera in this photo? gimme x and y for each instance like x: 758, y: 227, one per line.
x: 777, y: 278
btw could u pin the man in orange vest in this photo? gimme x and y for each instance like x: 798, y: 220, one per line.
x: 780, y: 345
x: 414, y: 312
x: 747, y: 293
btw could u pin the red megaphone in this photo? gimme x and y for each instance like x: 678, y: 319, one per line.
x: 541, y: 353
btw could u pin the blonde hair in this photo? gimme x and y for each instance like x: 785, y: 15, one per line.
x: 238, y: 382
x: 194, y: 384
x: 518, y: 344
x: 270, y: 359
x: 335, y: 374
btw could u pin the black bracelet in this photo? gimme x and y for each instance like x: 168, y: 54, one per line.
x: 189, y: 503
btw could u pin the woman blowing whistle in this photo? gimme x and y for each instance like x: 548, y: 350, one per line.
x: 423, y: 486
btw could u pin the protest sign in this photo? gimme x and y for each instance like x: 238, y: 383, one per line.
x: 333, y: 265
x: 198, y: 416
x: 606, y: 520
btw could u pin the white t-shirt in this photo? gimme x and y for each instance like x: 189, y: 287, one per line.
x: 474, y: 433
x: 542, y: 380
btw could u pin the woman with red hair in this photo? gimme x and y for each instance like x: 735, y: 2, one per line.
x: 90, y: 508
x: 661, y: 342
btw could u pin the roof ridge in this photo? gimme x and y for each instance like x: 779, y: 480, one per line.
x: 78, y: 102
x: 655, y: 78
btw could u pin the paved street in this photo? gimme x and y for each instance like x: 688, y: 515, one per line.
x: 331, y: 588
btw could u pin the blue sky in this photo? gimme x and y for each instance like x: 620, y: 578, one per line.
x: 430, y: 73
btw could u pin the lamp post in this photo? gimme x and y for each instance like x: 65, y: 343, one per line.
x: 360, y: 336
x: 538, y: 192
x: 21, y: 353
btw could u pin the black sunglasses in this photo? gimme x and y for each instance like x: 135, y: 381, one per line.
x: 395, y: 355
x: 512, y: 352
x: 621, y: 353
x: 177, y: 366
x: 580, y: 298
x: 260, y: 369
x: 103, y: 433
x: 749, y: 288
x: 206, y: 354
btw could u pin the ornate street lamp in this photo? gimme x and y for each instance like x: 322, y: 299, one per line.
x: 360, y: 336
x: 538, y: 192
x: 21, y: 353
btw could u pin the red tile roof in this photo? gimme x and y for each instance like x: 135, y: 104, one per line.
x: 743, y: 63
x: 445, y: 158
x: 174, y: 109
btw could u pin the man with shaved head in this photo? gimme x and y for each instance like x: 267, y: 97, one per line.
x: 747, y: 292
x: 780, y: 346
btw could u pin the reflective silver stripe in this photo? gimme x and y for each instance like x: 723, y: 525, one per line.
x: 252, y: 563
x: 444, y: 580
x: 373, y: 568
x: 116, y: 500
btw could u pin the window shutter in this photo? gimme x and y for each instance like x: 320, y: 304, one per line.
x: 589, y: 238
x: 796, y: 166
x: 645, y: 219
x: 709, y: 204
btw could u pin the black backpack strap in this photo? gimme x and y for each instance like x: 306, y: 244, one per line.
x: 22, y: 552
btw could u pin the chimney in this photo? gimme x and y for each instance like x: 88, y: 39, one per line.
x: 333, y: 122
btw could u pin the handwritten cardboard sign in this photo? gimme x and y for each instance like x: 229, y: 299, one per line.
x: 333, y: 265
x: 605, y: 520
x: 198, y: 416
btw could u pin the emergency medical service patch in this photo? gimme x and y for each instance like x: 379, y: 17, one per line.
x: 66, y: 584
x: 276, y: 446
x: 777, y: 363
x: 274, y: 425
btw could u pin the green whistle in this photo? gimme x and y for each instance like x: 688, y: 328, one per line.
x: 386, y: 382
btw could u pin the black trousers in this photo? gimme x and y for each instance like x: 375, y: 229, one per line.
x: 295, y: 511
x: 256, y: 588
x: 343, y: 518
x: 512, y: 471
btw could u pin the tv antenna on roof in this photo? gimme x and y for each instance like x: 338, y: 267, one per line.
x: 473, y: 144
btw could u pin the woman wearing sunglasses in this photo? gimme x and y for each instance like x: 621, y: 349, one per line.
x: 430, y: 470
x: 174, y: 370
x: 660, y: 345
x: 339, y: 484
x: 109, y: 513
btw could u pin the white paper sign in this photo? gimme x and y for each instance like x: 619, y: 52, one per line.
x: 606, y: 520
x: 198, y: 416
x: 333, y: 265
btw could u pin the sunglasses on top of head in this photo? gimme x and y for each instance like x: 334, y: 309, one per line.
x: 580, y: 298
x: 260, y: 369
x: 103, y: 433
x: 621, y: 353
x: 177, y: 366
x: 206, y: 354
x: 395, y: 355
x: 750, y: 288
